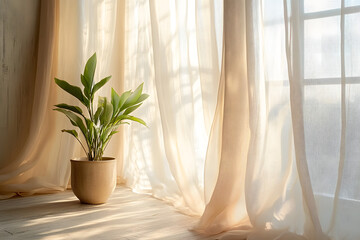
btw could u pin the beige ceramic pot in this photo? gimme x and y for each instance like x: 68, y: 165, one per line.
x: 93, y: 181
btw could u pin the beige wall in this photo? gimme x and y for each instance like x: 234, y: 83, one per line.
x: 19, y: 27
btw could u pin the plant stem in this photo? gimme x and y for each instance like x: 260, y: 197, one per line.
x: 82, y: 145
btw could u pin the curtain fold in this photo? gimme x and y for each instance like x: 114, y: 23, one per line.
x: 19, y: 47
x: 20, y: 175
x: 172, y: 46
x: 230, y: 198
x: 262, y: 142
x: 294, y: 66
x: 69, y: 33
x: 295, y: 164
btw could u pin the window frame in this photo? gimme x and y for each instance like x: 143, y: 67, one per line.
x: 304, y: 16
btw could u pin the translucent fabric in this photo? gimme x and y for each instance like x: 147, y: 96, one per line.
x: 266, y: 147
x: 26, y: 168
x: 297, y: 178
x: 67, y: 34
x: 173, y: 47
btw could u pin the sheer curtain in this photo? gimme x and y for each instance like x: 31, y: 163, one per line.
x: 265, y: 142
x: 69, y: 32
x: 173, y: 47
x: 298, y: 178
x: 19, y: 171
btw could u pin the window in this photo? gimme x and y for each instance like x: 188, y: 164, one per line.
x: 322, y: 91
x: 320, y: 57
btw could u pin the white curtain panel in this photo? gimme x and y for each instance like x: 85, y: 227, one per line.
x: 174, y: 48
x: 281, y: 153
x: 299, y: 177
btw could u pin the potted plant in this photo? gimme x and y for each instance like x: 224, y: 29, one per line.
x: 93, y: 178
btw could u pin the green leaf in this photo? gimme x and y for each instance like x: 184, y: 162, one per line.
x: 135, y: 119
x: 75, y: 134
x: 131, y: 109
x: 72, y: 132
x: 142, y: 97
x: 87, y: 88
x: 100, y: 84
x: 107, y: 131
x: 88, y: 122
x: 133, y: 97
x: 74, y: 119
x: 73, y: 90
x: 123, y: 99
x: 108, y: 138
x: 118, y: 119
x: 115, y: 100
x: 74, y: 109
x: 95, y: 133
x: 89, y: 70
x: 112, y: 133
x: 90, y: 129
x: 98, y: 113
x: 108, y: 111
x: 132, y: 118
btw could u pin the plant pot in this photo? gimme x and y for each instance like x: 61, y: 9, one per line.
x: 93, y: 181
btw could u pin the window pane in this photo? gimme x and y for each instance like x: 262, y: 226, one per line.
x: 351, y: 3
x: 322, y: 138
x: 352, y: 45
x: 322, y: 48
x: 351, y: 183
x: 273, y: 11
x: 321, y: 5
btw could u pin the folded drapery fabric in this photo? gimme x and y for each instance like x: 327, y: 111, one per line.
x: 173, y: 46
x: 291, y: 184
x: 68, y: 32
x: 27, y: 168
x: 264, y: 144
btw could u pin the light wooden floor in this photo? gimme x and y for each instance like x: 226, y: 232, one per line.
x: 60, y: 216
